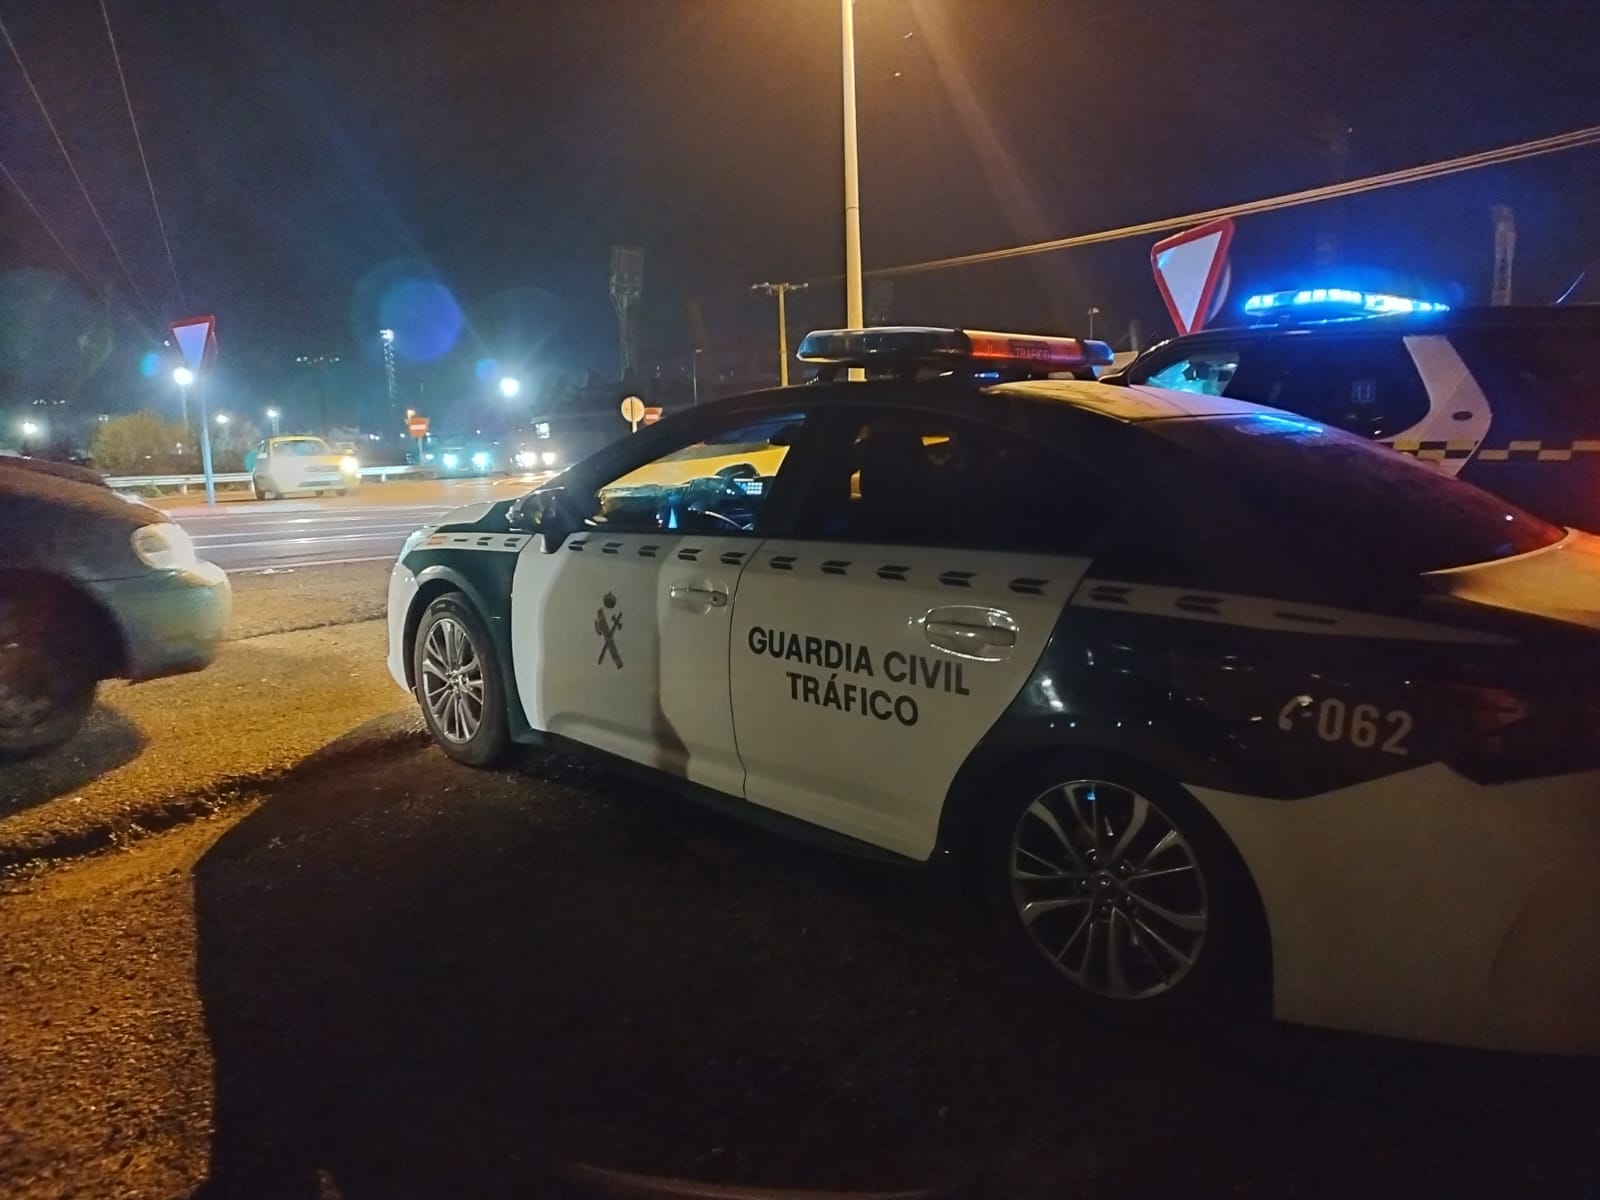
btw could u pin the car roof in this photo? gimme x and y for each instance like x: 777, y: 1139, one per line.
x: 1139, y: 403
x: 1117, y: 402
x: 1513, y: 317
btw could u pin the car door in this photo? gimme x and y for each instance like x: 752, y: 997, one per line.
x: 620, y: 634
x: 875, y: 645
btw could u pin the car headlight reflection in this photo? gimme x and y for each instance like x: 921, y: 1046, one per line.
x: 480, y: 460
x: 527, y: 459
x: 549, y: 458
x: 166, y: 547
x: 349, y: 464
x: 451, y: 461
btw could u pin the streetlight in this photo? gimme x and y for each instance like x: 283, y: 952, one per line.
x: 184, y: 378
x: 852, y: 189
x: 509, y: 387
x: 781, y: 290
x: 694, y: 367
x: 1093, y: 313
x: 273, y: 415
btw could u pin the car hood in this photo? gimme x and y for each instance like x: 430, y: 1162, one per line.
x: 1560, y: 581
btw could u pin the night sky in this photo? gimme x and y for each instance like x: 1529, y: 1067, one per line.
x: 327, y: 168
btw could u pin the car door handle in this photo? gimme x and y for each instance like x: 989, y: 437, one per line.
x: 690, y: 596
x: 971, y: 631
x: 969, y: 634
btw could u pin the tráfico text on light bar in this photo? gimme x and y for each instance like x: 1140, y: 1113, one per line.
x: 1347, y: 299
x: 913, y: 344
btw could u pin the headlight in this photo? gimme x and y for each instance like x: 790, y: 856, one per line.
x: 527, y: 459
x: 480, y: 460
x: 549, y: 458
x: 165, y: 547
x: 451, y: 460
x: 349, y: 465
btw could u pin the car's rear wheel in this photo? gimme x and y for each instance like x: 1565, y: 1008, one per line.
x: 47, y: 678
x: 1124, y: 892
x: 459, y: 684
x: 256, y: 487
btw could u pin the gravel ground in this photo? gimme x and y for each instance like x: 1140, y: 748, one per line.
x: 400, y: 978
x: 304, y: 672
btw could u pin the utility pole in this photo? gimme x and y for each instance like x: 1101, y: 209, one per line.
x: 1505, y: 250
x: 781, y: 291
x: 852, y: 190
x: 1093, y: 313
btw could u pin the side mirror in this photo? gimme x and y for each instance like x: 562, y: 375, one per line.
x: 546, y: 511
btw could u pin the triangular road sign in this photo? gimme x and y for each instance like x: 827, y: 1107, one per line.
x: 1188, y: 267
x: 196, y: 336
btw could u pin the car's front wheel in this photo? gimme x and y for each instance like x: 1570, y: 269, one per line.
x: 1124, y: 892
x: 459, y: 684
x: 47, y: 680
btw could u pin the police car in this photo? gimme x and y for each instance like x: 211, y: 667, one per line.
x: 1211, y: 703
x: 1506, y: 398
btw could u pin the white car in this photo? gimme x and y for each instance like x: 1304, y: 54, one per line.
x: 1214, y: 706
x: 284, y: 466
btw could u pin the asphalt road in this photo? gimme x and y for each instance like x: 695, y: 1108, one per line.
x: 369, y: 525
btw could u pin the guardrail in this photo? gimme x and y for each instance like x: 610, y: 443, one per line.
x: 241, y: 479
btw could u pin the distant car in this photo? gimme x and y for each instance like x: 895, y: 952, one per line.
x: 282, y: 466
x: 1506, y: 398
x: 98, y: 588
x: 463, y: 456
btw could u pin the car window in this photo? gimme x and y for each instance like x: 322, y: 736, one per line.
x: 1349, y: 507
x: 301, y: 447
x: 928, y: 479
x: 717, y: 484
x: 1366, y: 386
x: 1547, y: 381
x: 1205, y: 371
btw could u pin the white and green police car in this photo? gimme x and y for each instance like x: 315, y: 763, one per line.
x: 1213, y: 704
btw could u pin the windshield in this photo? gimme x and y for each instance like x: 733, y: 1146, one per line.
x: 1354, y: 504
x: 301, y: 447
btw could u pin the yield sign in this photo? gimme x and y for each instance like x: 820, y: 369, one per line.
x: 1188, y: 267
x: 196, y: 338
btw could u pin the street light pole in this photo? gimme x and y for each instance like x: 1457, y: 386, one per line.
x: 694, y: 368
x: 781, y: 291
x: 852, y: 191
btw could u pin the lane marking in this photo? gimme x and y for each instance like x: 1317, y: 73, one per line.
x: 300, y: 563
x: 266, y: 537
x: 306, y: 541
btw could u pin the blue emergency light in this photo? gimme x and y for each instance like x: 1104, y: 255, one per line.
x: 1343, y: 301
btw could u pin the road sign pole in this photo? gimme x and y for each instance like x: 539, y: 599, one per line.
x: 205, y: 444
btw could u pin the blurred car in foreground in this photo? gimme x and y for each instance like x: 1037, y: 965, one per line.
x: 1220, y: 709
x: 282, y: 466
x: 99, y: 588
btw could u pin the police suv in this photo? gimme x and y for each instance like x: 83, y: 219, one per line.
x: 1506, y: 398
x: 1212, y: 703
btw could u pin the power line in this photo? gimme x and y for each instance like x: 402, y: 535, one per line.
x: 60, y: 245
x: 143, y: 161
x: 105, y: 296
x: 1576, y: 139
x: 71, y: 166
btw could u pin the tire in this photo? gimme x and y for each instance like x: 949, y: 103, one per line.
x: 47, y: 673
x: 451, y: 637
x: 1188, y: 942
x: 341, y: 492
x: 256, y: 487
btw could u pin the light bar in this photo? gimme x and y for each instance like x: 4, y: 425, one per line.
x: 1371, y: 303
x: 912, y: 344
